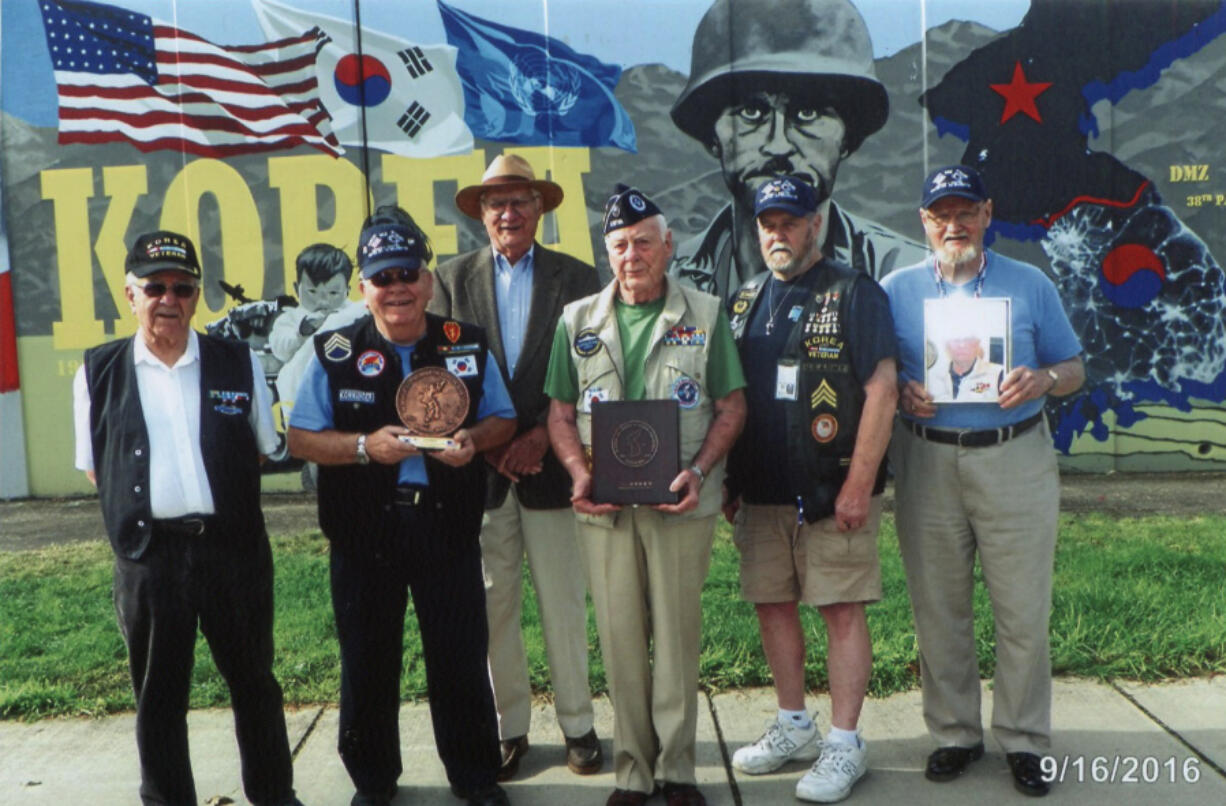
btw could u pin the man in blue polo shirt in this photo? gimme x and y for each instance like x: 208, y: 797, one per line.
x: 980, y: 477
x: 400, y: 520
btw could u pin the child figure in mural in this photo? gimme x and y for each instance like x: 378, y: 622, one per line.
x: 322, y: 287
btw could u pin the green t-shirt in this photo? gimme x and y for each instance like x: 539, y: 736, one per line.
x: 634, y: 326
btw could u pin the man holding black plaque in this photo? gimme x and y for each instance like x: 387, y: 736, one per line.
x: 401, y: 519
x: 804, y: 481
x: 645, y: 338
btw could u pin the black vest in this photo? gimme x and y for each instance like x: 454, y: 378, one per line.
x: 121, y: 442
x: 355, y: 501
x: 823, y: 420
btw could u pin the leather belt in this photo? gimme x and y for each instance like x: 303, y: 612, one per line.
x: 974, y: 439
x: 187, y: 526
x: 409, y: 495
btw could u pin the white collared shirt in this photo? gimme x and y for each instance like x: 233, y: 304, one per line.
x: 170, y: 400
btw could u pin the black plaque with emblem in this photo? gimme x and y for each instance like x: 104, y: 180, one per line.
x: 636, y: 451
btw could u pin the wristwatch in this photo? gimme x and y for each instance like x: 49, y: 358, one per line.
x: 363, y: 456
x: 1055, y: 379
x: 697, y: 471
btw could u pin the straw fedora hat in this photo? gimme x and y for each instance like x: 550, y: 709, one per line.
x: 507, y: 171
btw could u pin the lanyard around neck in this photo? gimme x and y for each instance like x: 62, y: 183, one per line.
x: 943, y: 290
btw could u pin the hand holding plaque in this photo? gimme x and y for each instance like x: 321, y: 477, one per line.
x: 432, y: 404
x: 636, y: 451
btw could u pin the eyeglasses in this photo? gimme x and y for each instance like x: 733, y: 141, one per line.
x: 157, y: 290
x: 388, y: 276
x: 519, y: 205
x: 965, y: 218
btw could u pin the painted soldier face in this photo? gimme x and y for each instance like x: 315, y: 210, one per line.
x: 771, y: 134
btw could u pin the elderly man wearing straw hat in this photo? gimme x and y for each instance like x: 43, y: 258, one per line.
x: 516, y: 289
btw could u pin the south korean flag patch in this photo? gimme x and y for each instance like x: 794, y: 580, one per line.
x: 462, y: 366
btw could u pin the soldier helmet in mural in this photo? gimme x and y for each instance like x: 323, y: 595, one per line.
x: 809, y: 48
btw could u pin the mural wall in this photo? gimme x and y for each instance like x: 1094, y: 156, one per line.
x: 267, y: 132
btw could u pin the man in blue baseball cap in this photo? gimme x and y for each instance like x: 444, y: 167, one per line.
x: 400, y: 520
x: 817, y: 343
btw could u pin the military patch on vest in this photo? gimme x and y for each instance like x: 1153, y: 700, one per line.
x: 337, y: 348
x: 466, y: 347
x: 681, y: 336
x: 794, y: 314
x: 825, y: 348
x: 356, y: 396
x: 371, y: 363
x: 587, y: 342
x: 462, y: 366
x: 685, y: 392
x: 740, y: 306
x: 824, y: 393
x: 593, y: 394
x: 451, y: 330
x: 825, y: 426
x: 824, y: 320
x: 228, y: 402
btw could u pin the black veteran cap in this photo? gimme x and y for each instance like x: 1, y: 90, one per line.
x: 389, y: 246
x: 162, y: 251
x: 627, y: 206
x: 955, y: 180
x: 788, y: 193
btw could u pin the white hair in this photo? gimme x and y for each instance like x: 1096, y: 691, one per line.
x: 660, y: 220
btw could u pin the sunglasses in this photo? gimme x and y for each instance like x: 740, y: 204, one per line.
x: 388, y: 276
x: 158, y: 290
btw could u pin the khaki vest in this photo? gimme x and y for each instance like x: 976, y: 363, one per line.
x: 676, y: 363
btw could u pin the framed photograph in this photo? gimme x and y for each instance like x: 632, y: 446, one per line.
x: 967, y: 348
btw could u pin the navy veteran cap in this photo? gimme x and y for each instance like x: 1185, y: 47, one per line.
x: 389, y: 246
x: 162, y: 251
x: 627, y: 206
x: 954, y: 180
x: 788, y: 193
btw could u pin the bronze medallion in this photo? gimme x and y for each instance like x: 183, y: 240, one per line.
x: 432, y: 402
x: 635, y: 443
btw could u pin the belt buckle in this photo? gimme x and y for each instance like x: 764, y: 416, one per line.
x: 964, y: 432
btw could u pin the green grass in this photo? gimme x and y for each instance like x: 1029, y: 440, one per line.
x: 1133, y: 598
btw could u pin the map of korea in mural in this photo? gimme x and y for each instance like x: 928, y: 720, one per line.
x: 1142, y: 289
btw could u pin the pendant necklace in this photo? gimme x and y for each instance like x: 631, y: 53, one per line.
x: 772, y: 307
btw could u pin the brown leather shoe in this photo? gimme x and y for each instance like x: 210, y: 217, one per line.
x: 683, y: 795
x: 583, y: 754
x: 512, y: 751
x: 627, y: 797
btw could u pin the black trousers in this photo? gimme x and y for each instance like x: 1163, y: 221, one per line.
x: 183, y: 580
x: 440, y: 562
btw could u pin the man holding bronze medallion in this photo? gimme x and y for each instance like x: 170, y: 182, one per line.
x: 393, y: 409
x: 644, y: 338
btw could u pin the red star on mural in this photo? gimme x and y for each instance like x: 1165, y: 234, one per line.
x: 1019, y: 95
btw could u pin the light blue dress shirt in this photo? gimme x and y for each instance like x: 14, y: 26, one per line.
x: 513, y: 293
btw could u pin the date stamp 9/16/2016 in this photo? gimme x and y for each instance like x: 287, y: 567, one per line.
x: 1120, y: 769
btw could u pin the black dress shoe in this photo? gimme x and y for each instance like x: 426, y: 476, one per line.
x: 627, y: 797
x: 947, y: 763
x: 367, y: 798
x: 512, y: 751
x: 1027, y: 774
x: 583, y: 754
x: 492, y: 795
x: 683, y: 795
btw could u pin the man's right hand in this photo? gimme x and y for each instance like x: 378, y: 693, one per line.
x: 385, y: 446
x: 914, y: 400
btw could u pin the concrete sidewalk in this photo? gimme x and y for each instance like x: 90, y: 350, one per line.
x: 1156, y: 744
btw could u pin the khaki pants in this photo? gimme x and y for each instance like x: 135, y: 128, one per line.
x: 1002, y: 502
x: 646, y: 578
x: 547, y: 538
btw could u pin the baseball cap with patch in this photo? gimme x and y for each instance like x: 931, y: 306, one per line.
x: 162, y: 251
x: 389, y: 246
x: 788, y: 193
x: 626, y: 207
x: 953, y: 180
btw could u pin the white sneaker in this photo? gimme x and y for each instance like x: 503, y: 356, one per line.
x: 780, y: 744
x: 832, y: 776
